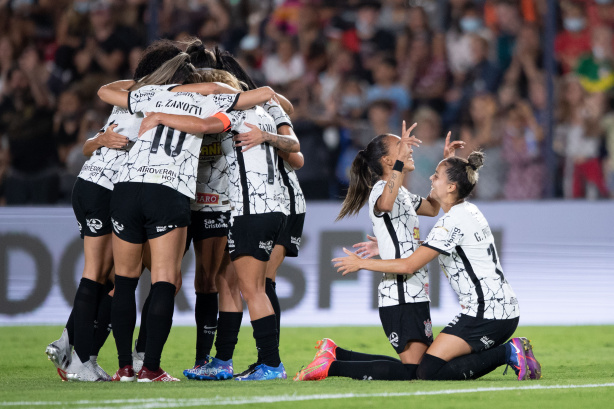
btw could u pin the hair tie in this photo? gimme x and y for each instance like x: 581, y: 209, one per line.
x: 473, y: 166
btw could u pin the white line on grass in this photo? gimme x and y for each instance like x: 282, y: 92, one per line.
x: 160, y: 403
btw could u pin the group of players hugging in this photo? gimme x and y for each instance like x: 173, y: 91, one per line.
x: 194, y: 152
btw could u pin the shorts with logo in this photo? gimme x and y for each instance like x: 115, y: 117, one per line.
x: 91, y: 204
x: 480, y: 333
x: 143, y: 211
x: 409, y: 322
x: 290, y: 236
x: 206, y: 225
x: 255, y: 235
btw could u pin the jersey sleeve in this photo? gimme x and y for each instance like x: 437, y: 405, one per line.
x: 444, y: 236
x: 236, y: 119
x: 139, y: 99
x: 416, y: 200
x: 376, y: 192
x: 225, y: 102
x: 278, y: 114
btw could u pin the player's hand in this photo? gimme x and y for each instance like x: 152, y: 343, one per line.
x: 150, y: 121
x: 349, y: 264
x: 367, y: 249
x: 248, y: 140
x: 449, y: 149
x: 112, y: 139
x: 405, y: 150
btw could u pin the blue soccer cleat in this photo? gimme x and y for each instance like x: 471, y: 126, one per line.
x: 264, y: 373
x: 197, y: 370
x: 516, y: 358
x: 215, y: 370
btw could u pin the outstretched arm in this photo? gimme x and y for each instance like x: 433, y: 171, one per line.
x: 183, y: 123
x: 256, y: 136
x: 116, y: 93
x: 352, y: 263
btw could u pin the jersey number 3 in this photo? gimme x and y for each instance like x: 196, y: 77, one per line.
x: 167, y: 143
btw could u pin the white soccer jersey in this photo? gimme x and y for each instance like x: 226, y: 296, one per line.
x: 164, y: 155
x: 397, y: 235
x: 103, y: 166
x: 469, y: 260
x: 212, y: 177
x: 254, y: 184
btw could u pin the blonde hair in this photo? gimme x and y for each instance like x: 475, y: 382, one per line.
x: 213, y: 75
x: 177, y: 70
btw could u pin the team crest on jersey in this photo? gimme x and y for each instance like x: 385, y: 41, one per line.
x: 118, y: 227
x: 296, y: 241
x: 394, y: 339
x: 94, y: 225
x: 428, y: 328
x: 487, y: 342
x: 208, y: 198
x: 80, y: 227
x: 266, y: 246
x: 210, y: 151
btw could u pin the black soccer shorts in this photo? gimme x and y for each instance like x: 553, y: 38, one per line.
x: 480, y: 333
x: 91, y: 204
x: 254, y: 235
x: 290, y: 236
x: 409, y: 322
x: 206, y: 225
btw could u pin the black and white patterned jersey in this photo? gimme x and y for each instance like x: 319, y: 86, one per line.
x: 398, y: 236
x: 212, y: 177
x: 103, y: 166
x: 277, y: 113
x: 164, y: 155
x: 294, y: 199
x: 254, y: 184
x: 470, y: 262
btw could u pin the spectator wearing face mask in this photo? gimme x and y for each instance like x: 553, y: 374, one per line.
x: 575, y: 39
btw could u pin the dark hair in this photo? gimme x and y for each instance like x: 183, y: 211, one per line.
x: 199, y: 55
x: 366, y: 170
x: 154, y: 56
x: 227, y: 62
x: 464, y: 172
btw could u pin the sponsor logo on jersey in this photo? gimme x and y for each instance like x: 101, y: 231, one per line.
x: 428, y: 328
x: 394, y: 339
x: 453, y: 236
x: 160, y: 229
x: 118, y: 111
x: 208, y: 199
x: 219, y: 223
x: 296, y: 241
x: 210, y: 151
x: 118, y: 227
x: 94, y: 225
x: 91, y: 168
x: 426, y: 288
x: 266, y: 246
x: 416, y: 233
x: 487, y: 342
x: 166, y: 174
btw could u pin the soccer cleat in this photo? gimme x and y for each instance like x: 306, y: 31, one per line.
x: 317, y: 369
x: 145, y: 375
x: 535, y: 369
x: 198, y: 365
x: 249, y: 370
x: 325, y: 345
x: 102, y: 374
x: 517, y: 359
x: 264, y: 372
x: 137, y: 359
x: 59, y: 352
x: 81, y: 371
x: 124, y: 374
x: 216, y: 369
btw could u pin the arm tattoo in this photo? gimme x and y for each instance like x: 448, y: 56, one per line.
x: 283, y: 142
x: 391, y: 182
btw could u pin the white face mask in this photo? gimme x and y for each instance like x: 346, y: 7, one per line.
x: 574, y: 24
x: 470, y: 24
x: 598, y: 52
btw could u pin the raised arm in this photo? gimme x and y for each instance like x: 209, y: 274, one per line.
x: 206, y: 88
x: 352, y: 263
x: 183, y: 123
x: 116, y: 93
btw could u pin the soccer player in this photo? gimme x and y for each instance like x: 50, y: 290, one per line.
x: 403, y: 299
x: 88, y: 326
x: 474, y: 342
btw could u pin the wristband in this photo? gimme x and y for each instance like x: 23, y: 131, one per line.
x: 398, y: 166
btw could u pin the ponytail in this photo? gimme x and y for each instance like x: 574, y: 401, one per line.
x: 366, y: 170
x: 177, y: 70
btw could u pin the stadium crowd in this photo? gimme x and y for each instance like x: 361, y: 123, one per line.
x: 352, y: 68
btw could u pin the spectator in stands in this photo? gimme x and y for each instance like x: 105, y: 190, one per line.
x: 509, y: 26
x: 7, y: 59
x: 285, y: 66
x: 575, y: 39
x: 526, y: 60
x: 416, y: 26
x: 372, y: 39
x: 386, y: 87
x: 522, y: 137
x: 67, y: 122
x: 596, y: 69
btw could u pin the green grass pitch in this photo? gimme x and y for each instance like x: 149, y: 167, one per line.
x: 578, y: 372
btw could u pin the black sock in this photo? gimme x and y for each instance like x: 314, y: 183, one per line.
x: 265, y: 334
x: 373, y: 370
x: 123, y: 317
x: 206, y: 323
x: 141, y: 341
x: 471, y: 366
x: 347, y: 355
x: 103, y: 323
x: 271, y: 292
x: 70, y: 328
x: 159, y: 322
x: 228, y: 326
x: 84, y: 312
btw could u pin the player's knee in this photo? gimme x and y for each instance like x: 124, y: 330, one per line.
x: 429, y: 367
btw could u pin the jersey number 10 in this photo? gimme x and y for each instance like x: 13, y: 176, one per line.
x: 167, y: 143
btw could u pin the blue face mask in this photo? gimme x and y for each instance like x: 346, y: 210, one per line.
x: 574, y: 24
x: 603, y: 1
x: 81, y: 7
x: 470, y: 24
